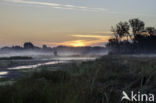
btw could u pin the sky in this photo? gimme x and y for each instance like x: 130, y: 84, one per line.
x: 68, y: 22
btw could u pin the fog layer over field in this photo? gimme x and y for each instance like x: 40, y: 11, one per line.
x: 29, y: 49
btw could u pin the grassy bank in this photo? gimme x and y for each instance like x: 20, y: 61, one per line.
x: 6, y: 62
x: 100, y: 81
x: 16, y: 58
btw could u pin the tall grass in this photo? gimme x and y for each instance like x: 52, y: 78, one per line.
x: 99, y: 81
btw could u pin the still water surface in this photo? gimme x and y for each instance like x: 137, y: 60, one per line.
x: 50, y: 62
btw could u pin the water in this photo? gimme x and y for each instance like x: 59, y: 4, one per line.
x: 3, y: 73
x: 53, y: 61
x: 35, y: 65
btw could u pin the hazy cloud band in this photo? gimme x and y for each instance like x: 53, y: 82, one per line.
x: 58, y: 6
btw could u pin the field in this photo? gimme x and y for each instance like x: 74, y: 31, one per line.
x: 99, y: 81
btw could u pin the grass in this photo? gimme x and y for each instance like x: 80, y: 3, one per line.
x: 6, y: 62
x: 16, y: 58
x: 99, y: 81
x: 18, y: 61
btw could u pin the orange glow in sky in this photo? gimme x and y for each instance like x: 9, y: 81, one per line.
x: 78, y: 43
x: 83, y: 40
x: 68, y: 22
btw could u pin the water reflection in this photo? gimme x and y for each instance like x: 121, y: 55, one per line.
x: 35, y: 65
x: 75, y: 58
x: 3, y: 73
x: 53, y: 61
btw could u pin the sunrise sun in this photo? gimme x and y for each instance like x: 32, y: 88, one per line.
x: 78, y: 44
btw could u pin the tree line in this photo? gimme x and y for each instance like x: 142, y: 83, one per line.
x: 132, y: 37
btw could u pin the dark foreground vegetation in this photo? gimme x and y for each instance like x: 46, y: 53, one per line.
x: 100, y: 81
x: 16, y: 58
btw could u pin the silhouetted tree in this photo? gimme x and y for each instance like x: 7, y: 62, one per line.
x: 150, y: 30
x: 137, y: 26
x: 121, y: 30
x: 28, y: 45
x: 17, y: 48
x: 55, y: 53
x: 44, y: 47
x: 143, y: 39
x: 116, y: 35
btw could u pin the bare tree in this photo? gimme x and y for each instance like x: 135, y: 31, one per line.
x: 137, y: 26
x: 121, y: 30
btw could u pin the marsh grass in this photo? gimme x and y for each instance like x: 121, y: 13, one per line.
x: 99, y: 81
x: 16, y: 58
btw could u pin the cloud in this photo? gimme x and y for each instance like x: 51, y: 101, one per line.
x: 57, y: 6
x: 97, y: 39
x: 83, y: 41
x: 74, y: 7
x: 89, y: 36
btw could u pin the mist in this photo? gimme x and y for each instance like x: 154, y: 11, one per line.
x: 45, y: 52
